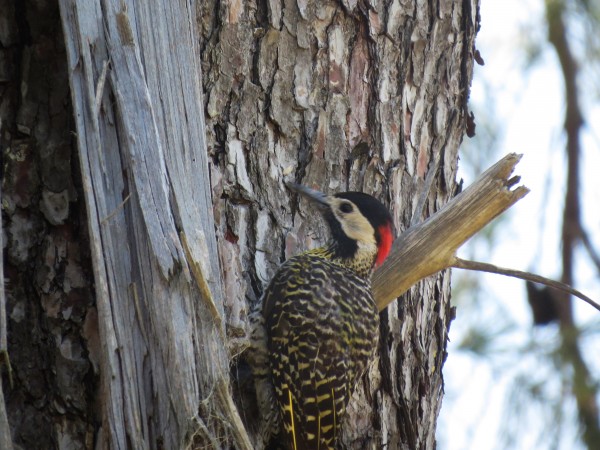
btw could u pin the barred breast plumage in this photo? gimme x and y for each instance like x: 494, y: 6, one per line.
x: 321, y: 320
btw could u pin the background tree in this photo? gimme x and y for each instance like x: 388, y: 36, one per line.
x: 556, y: 45
x: 138, y: 238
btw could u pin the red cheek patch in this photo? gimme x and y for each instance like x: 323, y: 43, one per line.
x: 385, y: 243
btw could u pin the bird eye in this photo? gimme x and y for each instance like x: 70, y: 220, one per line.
x: 346, y: 208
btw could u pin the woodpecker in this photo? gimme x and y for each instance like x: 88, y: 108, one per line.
x: 321, y: 320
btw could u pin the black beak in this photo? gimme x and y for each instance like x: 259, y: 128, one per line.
x: 314, y: 196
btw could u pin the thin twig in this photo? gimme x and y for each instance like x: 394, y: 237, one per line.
x: 116, y: 210
x: 589, y: 247
x: 237, y: 427
x: 202, y: 284
x: 100, y: 88
x: 491, y: 268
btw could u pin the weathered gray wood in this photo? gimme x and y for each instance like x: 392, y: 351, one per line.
x: 145, y: 174
x: 5, y: 436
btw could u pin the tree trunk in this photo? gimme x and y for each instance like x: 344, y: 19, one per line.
x: 341, y: 96
x: 52, y: 332
x: 125, y: 338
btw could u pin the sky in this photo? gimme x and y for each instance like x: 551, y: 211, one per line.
x: 479, y: 411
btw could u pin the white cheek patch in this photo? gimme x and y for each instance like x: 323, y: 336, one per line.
x: 358, y: 228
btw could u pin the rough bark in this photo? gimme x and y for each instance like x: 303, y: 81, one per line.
x: 50, y: 306
x: 5, y: 433
x: 342, y: 96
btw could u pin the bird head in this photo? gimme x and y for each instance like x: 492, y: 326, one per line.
x: 361, y: 226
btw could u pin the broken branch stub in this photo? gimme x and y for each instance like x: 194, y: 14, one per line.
x: 431, y: 246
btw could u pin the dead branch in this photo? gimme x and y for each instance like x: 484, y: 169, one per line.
x: 431, y: 246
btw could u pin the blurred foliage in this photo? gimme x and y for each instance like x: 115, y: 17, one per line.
x: 539, y: 410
